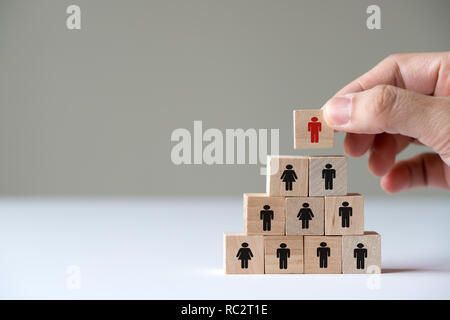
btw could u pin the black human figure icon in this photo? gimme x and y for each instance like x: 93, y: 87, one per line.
x: 244, y: 254
x: 360, y: 254
x: 283, y: 254
x: 345, y: 212
x: 305, y: 214
x: 328, y: 174
x: 323, y: 252
x: 266, y: 216
x: 288, y: 177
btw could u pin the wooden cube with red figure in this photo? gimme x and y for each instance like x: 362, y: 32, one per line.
x: 311, y: 131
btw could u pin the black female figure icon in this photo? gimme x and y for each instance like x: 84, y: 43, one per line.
x: 305, y: 214
x: 244, y: 254
x: 289, y: 176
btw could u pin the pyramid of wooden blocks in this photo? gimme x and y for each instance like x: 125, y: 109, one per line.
x: 306, y: 222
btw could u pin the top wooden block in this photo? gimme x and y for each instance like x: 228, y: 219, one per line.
x: 311, y: 130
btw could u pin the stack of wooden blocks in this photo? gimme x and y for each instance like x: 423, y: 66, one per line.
x: 306, y: 222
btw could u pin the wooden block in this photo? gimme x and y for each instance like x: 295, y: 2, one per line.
x: 323, y: 254
x: 311, y: 131
x: 243, y: 254
x: 287, y: 175
x: 344, y: 215
x: 283, y: 254
x: 361, y: 254
x: 264, y: 215
x: 327, y: 176
x: 305, y: 216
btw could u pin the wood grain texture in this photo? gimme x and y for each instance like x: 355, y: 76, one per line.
x: 295, y: 260
x: 344, y: 224
x: 312, y: 257
x: 280, y: 175
x: 369, y: 261
x: 233, y: 243
x: 319, y: 175
x: 294, y: 219
x: 253, y: 205
x: 303, y: 138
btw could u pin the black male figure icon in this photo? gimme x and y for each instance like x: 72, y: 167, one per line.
x: 328, y: 174
x: 283, y: 254
x: 244, y: 254
x: 323, y: 252
x: 266, y: 216
x: 345, y: 212
x: 360, y: 253
x: 288, y: 177
x: 305, y: 214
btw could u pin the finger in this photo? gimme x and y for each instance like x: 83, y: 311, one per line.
x: 425, y: 73
x: 402, y: 142
x: 426, y: 169
x: 382, y: 154
x: 396, y: 111
x: 356, y: 145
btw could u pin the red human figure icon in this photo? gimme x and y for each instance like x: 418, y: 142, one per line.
x: 314, y: 127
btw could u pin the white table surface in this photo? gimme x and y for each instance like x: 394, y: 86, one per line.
x: 172, y: 249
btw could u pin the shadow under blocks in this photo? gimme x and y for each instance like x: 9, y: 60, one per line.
x: 306, y: 222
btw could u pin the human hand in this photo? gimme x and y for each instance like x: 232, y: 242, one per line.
x: 404, y: 99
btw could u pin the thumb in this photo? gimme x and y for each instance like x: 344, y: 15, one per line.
x: 393, y: 110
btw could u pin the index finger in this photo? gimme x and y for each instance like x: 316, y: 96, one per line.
x: 425, y: 73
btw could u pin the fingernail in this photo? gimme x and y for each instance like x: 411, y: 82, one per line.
x: 338, y: 110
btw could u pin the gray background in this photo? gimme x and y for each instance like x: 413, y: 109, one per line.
x: 91, y: 112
